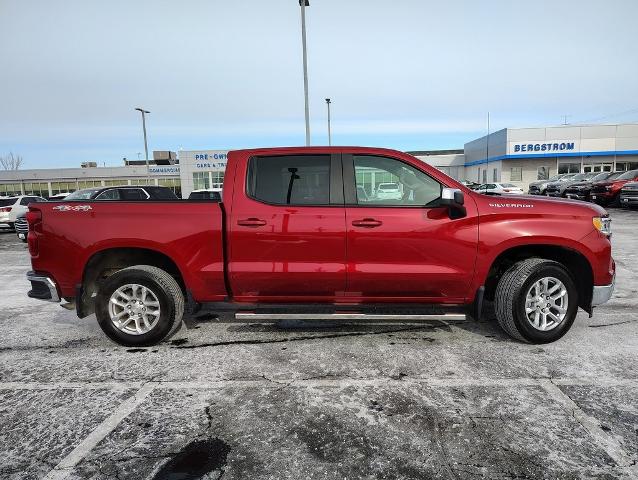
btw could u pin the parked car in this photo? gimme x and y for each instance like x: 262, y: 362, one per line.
x: 12, y: 207
x: 582, y: 190
x: 292, y: 239
x: 22, y: 227
x: 539, y: 187
x: 471, y: 185
x: 206, y: 194
x: 557, y: 189
x: 500, y: 189
x: 629, y: 195
x: 59, y: 196
x: 388, y: 191
x: 608, y: 192
x: 123, y: 192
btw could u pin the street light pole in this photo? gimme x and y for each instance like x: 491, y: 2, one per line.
x: 303, y: 4
x: 144, y: 112
x: 329, y: 134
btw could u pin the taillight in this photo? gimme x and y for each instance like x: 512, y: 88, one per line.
x: 5, y: 209
x: 506, y: 190
x: 33, y: 217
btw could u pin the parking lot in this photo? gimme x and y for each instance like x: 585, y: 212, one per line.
x: 438, y: 400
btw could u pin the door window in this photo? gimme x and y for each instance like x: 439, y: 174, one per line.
x: 290, y: 179
x: 133, y: 194
x: 108, y: 195
x: 389, y: 182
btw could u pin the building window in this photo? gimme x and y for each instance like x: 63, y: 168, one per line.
x: 40, y: 189
x: 485, y: 176
x: 568, y: 167
x: 173, y: 183
x: 201, y: 180
x: 516, y: 174
x: 495, y: 175
x: 10, y: 190
x: 63, y: 187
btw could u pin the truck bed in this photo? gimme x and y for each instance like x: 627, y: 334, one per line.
x: 188, y: 233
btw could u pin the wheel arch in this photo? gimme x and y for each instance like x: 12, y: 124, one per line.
x: 576, y: 263
x: 107, y: 261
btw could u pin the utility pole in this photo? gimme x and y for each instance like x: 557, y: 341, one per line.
x: 303, y: 4
x: 144, y: 112
x: 487, y: 148
x: 329, y: 133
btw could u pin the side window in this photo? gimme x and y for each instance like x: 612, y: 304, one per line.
x: 290, y: 179
x: 387, y: 181
x: 27, y: 200
x: 108, y: 195
x: 132, y: 194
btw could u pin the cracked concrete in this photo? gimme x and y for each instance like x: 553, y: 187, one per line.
x: 366, y: 401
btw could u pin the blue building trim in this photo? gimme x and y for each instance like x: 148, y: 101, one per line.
x: 552, y: 155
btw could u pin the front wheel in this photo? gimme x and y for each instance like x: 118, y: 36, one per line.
x: 536, y: 301
x: 139, y: 306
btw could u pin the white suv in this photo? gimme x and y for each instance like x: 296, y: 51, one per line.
x: 12, y: 207
x: 388, y: 191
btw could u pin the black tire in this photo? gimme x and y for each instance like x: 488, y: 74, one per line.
x: 511, y: 291
x: 615, y: 203
x: 164, y: 287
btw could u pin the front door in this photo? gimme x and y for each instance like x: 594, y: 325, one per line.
x: 404, y: 247
x: 287, y: 229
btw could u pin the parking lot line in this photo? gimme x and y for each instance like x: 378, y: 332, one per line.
x: 63, y: 469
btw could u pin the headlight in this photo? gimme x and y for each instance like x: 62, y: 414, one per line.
x: 603, y: 225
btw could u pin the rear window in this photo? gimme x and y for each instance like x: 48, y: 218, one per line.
x: 290, y: 179
x: 132, y: 194
x: 6, y: 202
x: 508, y: 185
x: 630, y: 175
x: 162, y: 194
x: 388, y: 186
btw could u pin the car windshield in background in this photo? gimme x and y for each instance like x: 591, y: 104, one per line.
x: 83, y: 194
x: 5, y: 202
x: 630, y: 175
x: 581, y: 176
x: 601, y: 176
x: 614, y: 176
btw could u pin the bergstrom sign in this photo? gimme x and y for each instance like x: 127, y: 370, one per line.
x: 545, y: 147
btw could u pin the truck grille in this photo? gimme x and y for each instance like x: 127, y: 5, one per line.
x: 21, y: 225
x: 598, y: 189
x: 629, y: 193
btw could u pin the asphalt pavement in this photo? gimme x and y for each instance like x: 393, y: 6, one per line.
x: 232, y: 401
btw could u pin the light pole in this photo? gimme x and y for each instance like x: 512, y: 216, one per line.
x: 144, y: 112
x: 303, y: 4
x: 329, y: 134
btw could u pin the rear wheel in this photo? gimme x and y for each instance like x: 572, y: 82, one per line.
x: 536, y: 301
x: 139, y: 306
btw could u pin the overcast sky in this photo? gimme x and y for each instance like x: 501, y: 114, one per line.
x: 407, y: 74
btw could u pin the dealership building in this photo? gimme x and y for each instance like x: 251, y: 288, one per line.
x: 512, y: 155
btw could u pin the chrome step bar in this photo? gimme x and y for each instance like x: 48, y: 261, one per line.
x: 365, y: 317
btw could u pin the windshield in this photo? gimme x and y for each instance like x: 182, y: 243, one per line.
x: 631, y: 174
x: 555, y: 177
x: 7, y: 201
x: 83, y: 194
x: 601, y: 176
x: 567, y: 177
x: 581, y: 176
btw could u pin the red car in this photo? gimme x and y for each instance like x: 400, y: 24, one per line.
x: 301, y: 233
x: 608, y: 192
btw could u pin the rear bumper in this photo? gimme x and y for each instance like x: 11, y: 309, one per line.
x: 602, y: 293
x: 42, y: 287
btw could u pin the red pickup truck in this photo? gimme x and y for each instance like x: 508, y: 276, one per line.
x: 302, y: 233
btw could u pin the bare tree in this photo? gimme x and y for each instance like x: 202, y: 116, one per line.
x: 11, y: 161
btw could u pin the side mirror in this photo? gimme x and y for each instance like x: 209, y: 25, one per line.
x: 454, y: 199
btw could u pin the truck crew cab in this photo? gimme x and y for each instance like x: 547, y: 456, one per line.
x: 301, y: 234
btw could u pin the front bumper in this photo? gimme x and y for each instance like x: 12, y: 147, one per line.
x: 42, y: 287
x: 628, y: 200
x: 602, y: 293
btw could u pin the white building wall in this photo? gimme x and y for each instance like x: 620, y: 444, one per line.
x: 210, y: 162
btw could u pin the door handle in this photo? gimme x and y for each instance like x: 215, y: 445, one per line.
x: 367, y: 223
x: 251, y: 222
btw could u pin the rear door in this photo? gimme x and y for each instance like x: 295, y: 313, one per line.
x: 287, y: 234
x: 405, y: 249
